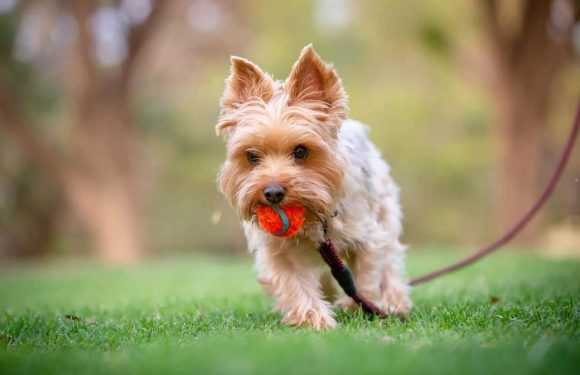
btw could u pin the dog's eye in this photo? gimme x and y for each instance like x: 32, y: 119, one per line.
x: 300, y: 153
x: 253, y: 158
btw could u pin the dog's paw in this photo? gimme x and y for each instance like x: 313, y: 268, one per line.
x: 346, y: 304
x: 397, y: 300
x: 311, y: 318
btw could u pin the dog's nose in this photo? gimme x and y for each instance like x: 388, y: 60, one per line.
x: 274, y: 193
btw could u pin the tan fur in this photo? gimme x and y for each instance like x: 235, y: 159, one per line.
x: 343, y: 173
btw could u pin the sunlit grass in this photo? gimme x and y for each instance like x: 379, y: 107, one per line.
x: 513, y: 313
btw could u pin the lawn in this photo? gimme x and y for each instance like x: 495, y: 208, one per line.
x: 513, y: 313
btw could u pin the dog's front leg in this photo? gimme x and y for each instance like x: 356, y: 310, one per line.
x: 296, y: 288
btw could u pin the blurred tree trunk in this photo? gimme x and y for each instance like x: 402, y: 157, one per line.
x: 100, y: 171
x: 526, y: 63
x: 104, y: 190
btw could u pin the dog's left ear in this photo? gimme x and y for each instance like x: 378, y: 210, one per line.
x: 314, y: 81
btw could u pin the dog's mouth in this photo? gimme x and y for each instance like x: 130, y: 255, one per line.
x: 281, y: 221
x: 311, y: 217
x: 313, y: 214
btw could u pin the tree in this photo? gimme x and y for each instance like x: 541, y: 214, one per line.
x: 527, y: 58
x: 98, y: 167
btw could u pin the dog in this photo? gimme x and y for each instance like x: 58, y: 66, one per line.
x: 291, y: 143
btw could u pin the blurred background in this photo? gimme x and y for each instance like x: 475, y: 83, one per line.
x: 107, y: 114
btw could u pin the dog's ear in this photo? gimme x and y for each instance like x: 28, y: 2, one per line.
x: 314, y: 81
x: 246, y: 81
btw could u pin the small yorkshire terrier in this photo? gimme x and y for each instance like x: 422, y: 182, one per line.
x: 291, y: 143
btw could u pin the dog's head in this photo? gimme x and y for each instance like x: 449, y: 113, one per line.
x: 282, y: 137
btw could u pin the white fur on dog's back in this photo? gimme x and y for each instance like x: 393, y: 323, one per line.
x: 367, y: 187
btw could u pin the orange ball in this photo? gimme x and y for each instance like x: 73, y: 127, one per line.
x: 283, y: 221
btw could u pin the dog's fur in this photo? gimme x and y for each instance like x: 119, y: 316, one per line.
x: 343, y: 182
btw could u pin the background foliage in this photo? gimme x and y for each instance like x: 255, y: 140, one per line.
x: 419, y: 73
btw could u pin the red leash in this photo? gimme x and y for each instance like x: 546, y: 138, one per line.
x: 343, y: 276
x: 520, y: 224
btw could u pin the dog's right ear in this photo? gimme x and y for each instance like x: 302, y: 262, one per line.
x: 246, y: 82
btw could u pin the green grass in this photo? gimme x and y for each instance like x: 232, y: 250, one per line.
x: 199, y: 315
